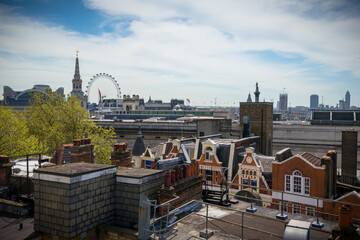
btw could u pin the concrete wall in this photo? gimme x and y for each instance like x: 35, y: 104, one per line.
x: 314, y: 139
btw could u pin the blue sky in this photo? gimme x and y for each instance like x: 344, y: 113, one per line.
x: 199, y: 50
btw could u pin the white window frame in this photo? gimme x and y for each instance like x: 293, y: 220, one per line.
x: 296, y: 206
x: 307, y: 186
x: 208, y: 154
x: 216, y: 177
x: 304, y: 184
x: 287, y: 183
x: 310, y: 211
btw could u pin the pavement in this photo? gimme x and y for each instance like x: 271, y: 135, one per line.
x: 10, y: 226
x: 190, y: 227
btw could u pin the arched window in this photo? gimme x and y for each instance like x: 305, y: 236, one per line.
x: 243, y: 171
x: 250, y: 172
x: 208, y: 154
x: 247, y: 172
x: 296, y: 183
x: 254, y: 173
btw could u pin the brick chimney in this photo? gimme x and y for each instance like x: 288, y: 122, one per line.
x: 327, y: 162
x: 283, y: 154
x: 82, y: 151
x: 345, y: 229
x: 121, y: 156
x: 333, y: 155
x: 349, y: 156
x: 5, y: 169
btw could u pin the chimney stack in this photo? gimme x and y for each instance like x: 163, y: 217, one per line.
x: 349, y: 156
x: 5, y: 169
x: 82, y: 151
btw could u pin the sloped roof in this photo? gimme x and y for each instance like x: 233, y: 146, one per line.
x: 157, y: 150
x: 265, y: 162
x: 348, y: 194
x: 316, y: 161
x: 139, y: 146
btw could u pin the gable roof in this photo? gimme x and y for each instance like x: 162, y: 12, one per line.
x: 316, y: 161
x: 157, y: 150
x: 300, y: 157
x: 349, y: 194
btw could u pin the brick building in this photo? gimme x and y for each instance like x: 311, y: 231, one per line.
x: 333, y: 207
x: 254, y: 170
x: 301, y: 176
x: 256, y: 119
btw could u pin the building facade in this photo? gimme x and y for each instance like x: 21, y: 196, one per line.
x: 18, y: 100
x: 347, y: 100
x: 314, y: 101
x: 283, y: 102
x: 299, y: 177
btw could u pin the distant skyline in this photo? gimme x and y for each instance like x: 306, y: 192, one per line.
x: 197, y: 50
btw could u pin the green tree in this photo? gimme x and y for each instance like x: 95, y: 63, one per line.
x: 15, y: 139
x: 54, y: 121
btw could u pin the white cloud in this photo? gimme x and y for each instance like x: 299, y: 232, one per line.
x: 201, y: 44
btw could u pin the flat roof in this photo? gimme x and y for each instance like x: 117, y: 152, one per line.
x: 136, y: 172
x: 73, y: 169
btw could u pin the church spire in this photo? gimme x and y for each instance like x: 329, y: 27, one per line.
x: 257, y: 93
x: 249, y: 98
x: 77, y: 68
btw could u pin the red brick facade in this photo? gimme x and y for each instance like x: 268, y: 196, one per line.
x: 299, y: 179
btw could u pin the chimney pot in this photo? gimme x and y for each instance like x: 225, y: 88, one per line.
x: 344, y: 217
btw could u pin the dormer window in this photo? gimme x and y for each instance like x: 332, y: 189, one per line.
x: 208, y: 154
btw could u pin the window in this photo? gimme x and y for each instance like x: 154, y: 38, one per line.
x: 307, y: 186
x: 254, y: 173
x: 288, y: 183
x: 208, y: 175
x: 147, y: 164
x: 284, y: 205
x: 296, y: 208
x: 216, y: 177
x: 297, y: 182
x: 245, y: 181
x: 208, y: 154
x: 253, y: 183
x: 310, y: 211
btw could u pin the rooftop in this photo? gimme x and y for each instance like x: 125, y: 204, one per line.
x: 72, y: 169
x: 312, y: 159
x: 136, y: 172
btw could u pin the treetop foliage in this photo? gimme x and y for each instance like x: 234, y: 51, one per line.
x: 49, y: 122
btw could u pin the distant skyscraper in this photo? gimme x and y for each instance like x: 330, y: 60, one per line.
x: 314, y: 101
x: 341, y: 105
x: 283, y: 102
x: 347, y: 100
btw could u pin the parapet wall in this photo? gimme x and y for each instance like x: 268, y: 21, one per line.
x: 130, y: 184
x: 72, y: 199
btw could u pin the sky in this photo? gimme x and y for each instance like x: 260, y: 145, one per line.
x: 208, y: 51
